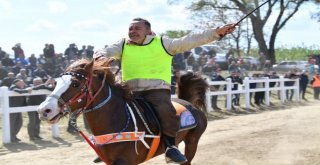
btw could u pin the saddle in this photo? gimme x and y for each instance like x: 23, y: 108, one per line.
x: 183, y: 109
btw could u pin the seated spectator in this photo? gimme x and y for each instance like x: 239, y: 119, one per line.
x: 23, y: 75
x: 33, y: 61
x: 7, y: 61
x: 3, y: 72
x: 16, y: 68
x: 40, y: 72
x: 7, y: 81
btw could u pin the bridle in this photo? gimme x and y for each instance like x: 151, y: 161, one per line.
x: 85, y: 91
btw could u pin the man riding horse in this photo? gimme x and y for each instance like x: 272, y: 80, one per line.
x: 146, y: 68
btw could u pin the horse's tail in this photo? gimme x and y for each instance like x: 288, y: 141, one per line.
x: 192, y: 88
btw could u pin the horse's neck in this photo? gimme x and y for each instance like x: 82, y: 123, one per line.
x: 111, y: 117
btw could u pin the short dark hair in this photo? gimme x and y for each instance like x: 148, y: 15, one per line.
x: 146, y: 22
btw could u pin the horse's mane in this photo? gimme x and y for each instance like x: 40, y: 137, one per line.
x: 101, y: 67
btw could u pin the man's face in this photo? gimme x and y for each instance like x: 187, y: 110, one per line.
x: 20, y: 84
x: 138, y: 32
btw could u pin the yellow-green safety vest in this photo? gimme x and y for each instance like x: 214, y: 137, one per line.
x: 150, y: 61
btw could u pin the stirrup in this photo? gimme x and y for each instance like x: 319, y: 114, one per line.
x: 173, y: 155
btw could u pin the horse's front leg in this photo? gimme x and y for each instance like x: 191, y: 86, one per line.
x: 122, y: 162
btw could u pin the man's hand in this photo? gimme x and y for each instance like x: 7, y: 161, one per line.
x: 99, y: 54
x: 226, y: 29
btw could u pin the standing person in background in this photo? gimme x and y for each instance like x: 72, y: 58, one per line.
x: 34, y: 121
x: 2, y: 54
x: 18, y: 86
x: 304, y: 81
x: 289, y: 92
x: 262, y: 60
x: 236, y: 81
x: 151, y: 78
x: 18, y: 51
x: 315, y: 82
x: 216, y: 77
x: 71, y: 52
x: 89, y: 51
x: 174, y: 79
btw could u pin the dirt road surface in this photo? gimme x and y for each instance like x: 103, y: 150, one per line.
x: 271, y: 137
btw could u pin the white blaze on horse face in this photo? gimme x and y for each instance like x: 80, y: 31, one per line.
x: 51, y: 103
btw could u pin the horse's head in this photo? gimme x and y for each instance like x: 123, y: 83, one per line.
x: 75, y: 89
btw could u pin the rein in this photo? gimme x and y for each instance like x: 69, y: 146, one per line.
x: 86, y: 90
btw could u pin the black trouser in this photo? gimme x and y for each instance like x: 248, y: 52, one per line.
x: 34, y: 124
x: 303, y: 90
x: 161, y: 101
x: 258, y: 97
x: 289, y: 94
x: 15, y: 124
x: 214, y: 100
x: 316, y: 92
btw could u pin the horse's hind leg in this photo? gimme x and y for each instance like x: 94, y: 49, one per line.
x: 191, y: 145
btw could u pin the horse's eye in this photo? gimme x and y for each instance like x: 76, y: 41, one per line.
x: 75, y: 84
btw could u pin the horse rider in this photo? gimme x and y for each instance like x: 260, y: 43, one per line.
x: 146, y: 67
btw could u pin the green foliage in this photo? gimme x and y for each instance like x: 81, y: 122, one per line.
x: 176, y: 33
x: 294, y: 53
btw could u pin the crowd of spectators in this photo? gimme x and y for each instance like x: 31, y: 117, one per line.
x: 23, y: 74
x: 237, y: 69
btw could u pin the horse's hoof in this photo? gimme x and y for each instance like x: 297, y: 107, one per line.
x: 97, y: 160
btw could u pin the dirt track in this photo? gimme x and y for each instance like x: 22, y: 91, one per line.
x: 271, y: 137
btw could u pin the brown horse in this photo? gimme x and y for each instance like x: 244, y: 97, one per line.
x: 90, y: 87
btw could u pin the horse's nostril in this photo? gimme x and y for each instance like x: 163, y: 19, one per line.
x: 45, y: 114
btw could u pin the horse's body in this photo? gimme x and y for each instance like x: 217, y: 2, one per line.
x: 112, y: 117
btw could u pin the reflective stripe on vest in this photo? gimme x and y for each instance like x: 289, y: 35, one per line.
x: 149, y: 61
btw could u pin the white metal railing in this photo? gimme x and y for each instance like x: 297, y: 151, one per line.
x: 242, y: 89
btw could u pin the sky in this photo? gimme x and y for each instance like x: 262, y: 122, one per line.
x: 99, y: 22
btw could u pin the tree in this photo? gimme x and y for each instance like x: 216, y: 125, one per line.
x: 281, y: 10
x: 317, y: 14
x: 176, y: 33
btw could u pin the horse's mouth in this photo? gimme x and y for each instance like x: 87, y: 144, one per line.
x: 56, y: 118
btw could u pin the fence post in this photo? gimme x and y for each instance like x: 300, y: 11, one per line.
x: 297, y: 90
x: 282, y: 90
x: 6, y: 115
x: 229, y: 95
x: 246, y: 84
x: 267, y: 91
x: 208, y: 98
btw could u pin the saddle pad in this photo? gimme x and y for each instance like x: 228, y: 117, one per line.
x: 187, y: 120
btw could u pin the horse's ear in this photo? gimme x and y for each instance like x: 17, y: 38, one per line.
x: 89, y: 66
